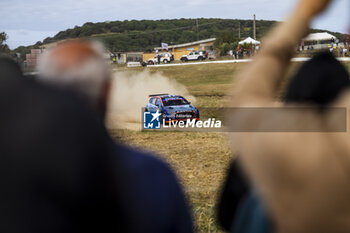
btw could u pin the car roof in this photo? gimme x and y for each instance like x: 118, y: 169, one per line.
x: 165, y: 96
x: 171, y: 96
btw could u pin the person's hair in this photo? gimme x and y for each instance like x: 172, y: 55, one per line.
x: 87, y: 77
x: 319, y: 81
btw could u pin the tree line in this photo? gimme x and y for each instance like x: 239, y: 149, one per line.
x: 144, y: 35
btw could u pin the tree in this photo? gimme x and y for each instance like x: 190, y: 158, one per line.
x: 3, y: 47
x: 224, y: 48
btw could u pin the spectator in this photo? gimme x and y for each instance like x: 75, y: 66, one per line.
x: 156, y: 202
x: 309, y: 85
x: 56, y: 162
x: 302, y: 177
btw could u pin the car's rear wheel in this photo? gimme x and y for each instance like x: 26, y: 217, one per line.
x: 165, y: 61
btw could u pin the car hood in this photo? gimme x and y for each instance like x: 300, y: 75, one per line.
x: 180, y: 108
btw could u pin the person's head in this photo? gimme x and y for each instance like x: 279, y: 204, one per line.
x: 78, y: 65
x: 319, y: 81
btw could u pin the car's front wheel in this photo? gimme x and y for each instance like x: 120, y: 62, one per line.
x: 165, y: 61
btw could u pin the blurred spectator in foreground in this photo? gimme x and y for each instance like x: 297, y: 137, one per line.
x: 156, y: 202
x: 303, y: 178
x: 319, y: 81
x: 58, y: 173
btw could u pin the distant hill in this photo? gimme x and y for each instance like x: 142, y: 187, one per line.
x: 144, y: 35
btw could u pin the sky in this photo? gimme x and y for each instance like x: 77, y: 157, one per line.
x: 29, y: 21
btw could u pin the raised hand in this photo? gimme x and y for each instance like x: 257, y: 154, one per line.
x: 311, y: 8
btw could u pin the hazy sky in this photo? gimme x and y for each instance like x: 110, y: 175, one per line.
x: 28, y: 21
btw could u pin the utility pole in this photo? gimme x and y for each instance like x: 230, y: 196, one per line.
x: 197, y: 29
x: 239, y: 29
x: 254, y: 27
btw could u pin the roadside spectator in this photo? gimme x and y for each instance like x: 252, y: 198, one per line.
x: 239, y: 208
x: 156, y: 202
x: 301, y: 177
x: 57, y: 170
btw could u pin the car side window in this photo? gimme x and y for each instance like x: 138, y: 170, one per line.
x: 150, y: 100
x: 154, y: 101
x: 158, y: 103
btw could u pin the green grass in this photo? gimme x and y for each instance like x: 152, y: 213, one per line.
x: 200, y: 80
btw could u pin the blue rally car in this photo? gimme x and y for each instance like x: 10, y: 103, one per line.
x: 172, y: 107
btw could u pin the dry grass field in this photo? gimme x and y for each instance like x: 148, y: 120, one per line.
x: 199, y: 159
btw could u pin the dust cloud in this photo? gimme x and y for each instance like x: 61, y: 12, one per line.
x: 129, y: 93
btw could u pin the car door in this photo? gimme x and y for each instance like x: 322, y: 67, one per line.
x: 191, y: 56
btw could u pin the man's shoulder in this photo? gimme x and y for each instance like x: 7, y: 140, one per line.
x: 142, y: 162
x: 158, y: 195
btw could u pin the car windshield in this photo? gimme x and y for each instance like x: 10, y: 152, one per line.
x: 172, y: 102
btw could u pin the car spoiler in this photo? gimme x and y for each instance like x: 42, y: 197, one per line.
x: 156, y: 95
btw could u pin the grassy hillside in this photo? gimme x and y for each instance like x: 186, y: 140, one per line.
x: 144, y: 35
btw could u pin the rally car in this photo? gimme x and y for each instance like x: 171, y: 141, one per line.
x: 172, y: 107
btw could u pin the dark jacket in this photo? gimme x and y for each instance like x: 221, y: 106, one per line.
x: 56, y: 162
x: 156, y: 199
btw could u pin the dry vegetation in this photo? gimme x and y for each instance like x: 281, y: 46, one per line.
x: 199, y: 159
